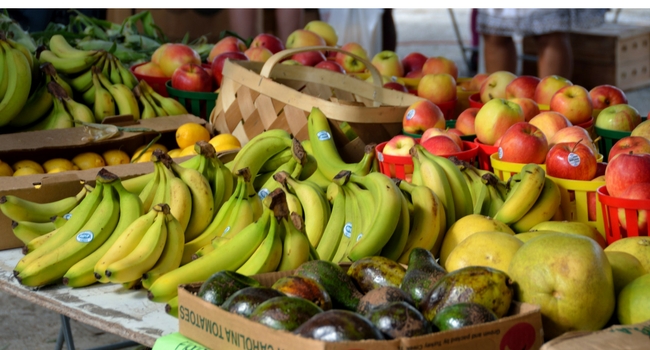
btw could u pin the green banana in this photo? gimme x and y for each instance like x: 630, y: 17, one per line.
x: 18, y: 77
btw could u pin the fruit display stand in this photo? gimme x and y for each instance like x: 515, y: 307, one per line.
x: 615, y: 209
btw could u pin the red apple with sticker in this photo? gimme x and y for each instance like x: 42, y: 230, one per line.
x: 171, y: 56
x: 441, y: 145
x: 218, y: 62
x: 528, y: 107
x: 607, y: 95
x: 573, y: 134
x: 495, y: 118
x: 465, y: 121
x: 621, y: 117
x: 191, y: 77
x: 388, y: 64
x: 330, y: 65
x: 523, y: 143
x: 258, y: 54
x: 309, y: 58
x: 399, y: 145
x: 422, y: 115
x: 269, y: 41
x: 548, y: 86
x: 640, y: 192
x: 629, y: 144
x: 571, y: 161
x: 431, y: 132
x: 495, y: 85
x: 413, y: 62
x: 438, y: 65
x: 349, y: 63
x: 550, y: 122
x: 228, y: 44
x: 625, y: 170
x: 303, y: 38
x: 522, y: 86
x: 437, y: 88
x: 574, y: 103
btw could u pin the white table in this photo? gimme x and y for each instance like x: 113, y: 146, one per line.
x: 109, y: 307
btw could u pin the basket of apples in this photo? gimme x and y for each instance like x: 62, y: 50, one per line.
x: 618, y: 121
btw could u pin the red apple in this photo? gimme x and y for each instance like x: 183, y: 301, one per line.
x: 217, y: 63
x: 438, y: 65
x: 528, y: 107
x: 413, y: 62
x: 330, y: 65
x: 573, y: 134
x: 455, y: 132
x: 572, y: 161
x: 388, y: 64
x: 604, y: 96
x: 574, y: 103
x: 421, y: 116
x: 414, y: 74
x: 550, y: 122
x: 393, y: 85
x: 643, y: 129
x: 227, y: 44
x: 465, y: 121
x: 191, y: 77
x: 149, y: 69
x: 638, y: 191
x: 269, y: 41
x: 621, y: 117
x: 431, y: 132
x: 303, y: 38
x: 477, y: 81
x: 548, y: 86
x: 437, y: 88
x: 309, y: 58
x: 522, y: 86
x: 629, y: 144
x: 174, y: 56
x: 349, y: 63
x: 441, y: 145
x: 495, y: 85
x: 494, y: 118
x: 258, y: 54
x: 399, y: 145
x: 626, y: 170
x: 523, y: 143
x: 592, y: 206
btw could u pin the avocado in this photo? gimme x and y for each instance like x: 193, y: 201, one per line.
x: 376, y: 271
x: 285, y: 313
x: 340, y: 286
x: 245, y: 300
x: 380, y: 296
x: 303, y: 287
x: 421, y: 274
x: 461, y: 315
x: 399, y: 319
x: 338, y: 325
x: 218, y: 287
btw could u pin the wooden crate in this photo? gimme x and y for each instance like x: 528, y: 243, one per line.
x: 616, y: 54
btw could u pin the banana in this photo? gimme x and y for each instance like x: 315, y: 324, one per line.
x: 162, y: 190
x: 168, y: 104
x: 171, y: 256
x: 114, y: 74
x: 69, y: 65
x: 26, y: 231
x: 544, y: 208
x: 52, y: 266
x: 397, y: 242
x: 460, y: 192
x: 59, y: 220
x: 124, y: 244
x: 431, y: 175
x: 273, y: 163
x: 52, y: 75
x: 157, y: 108
x: 123, y: 96
x: 18, y: 209
x: 353, y: 219
x: 145, y: 254
x: 242, y: 215
x: 83, y: 81
x: 331, y: 237
x: 223, y: 183
x: 494, y: 201
x: 58, y: 118
x: 149, y: 191
x: 257, y: 151
x: 104, y: 103
x: 271, y: 184
x: 429, y: 221
x: 253, y: 199
x: 520, y: 199
x: 171, y: 308
x: 138, y: 183
x: 296, y: 246
x: 37, y: 242
x: 148, y: 111
x: 24, y: 50
x: 268, y: 254
x: 60, y: 47
x: 180, y: 202
x: 128, y: 78
x: 18, y: 77
x: 202, y: 199
x: 82, y: 273
x: 80, y: 113
x: 4, y: 82
x: 37, y: 106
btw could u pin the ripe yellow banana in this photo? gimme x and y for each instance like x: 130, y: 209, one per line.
x: 257, y: 151
x: 149, y: 191
x: 70, y: 65
x: 80, y: 113
x: 394, y: 248
x: 148, y: 111
x: 123, y: 96
x: 104, y: 103
x: 37, y: 106
x: 431, y: 175
x: 331, y: 237
x: 295, y: 246
x: 18, y: 209
x: 58, y: 118
x: 354, y: 221
x: 544, y: 208
x: 171, y: 256
x: 268, y: 254
x: 168, y: 104
x: 523, y: 197
x: 202, y: 199
x: 60, y: 47
x: 18, y: 76
x: 26, y: 231
x: 459, y: 191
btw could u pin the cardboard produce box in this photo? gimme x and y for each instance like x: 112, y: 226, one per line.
x: 632, y: 337
x: 216, y: 328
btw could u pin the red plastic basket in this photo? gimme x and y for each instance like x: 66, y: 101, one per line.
x: 402, y: 166
x: 157, y: 83
x: 484, y: 153
x: 614, y: 209
x: 475, y: 101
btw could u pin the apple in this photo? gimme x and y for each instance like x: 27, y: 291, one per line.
x: 227, y: 44
x: 431, y: 132
x: 522, y: 86
x: 477, y: 80
x: 258, y: 54
x: 548, y: 86
x: 413, y: 62
x: 217, y: 63
x: 606, y: 95
x: 270, y: 41
x: 422, y: 115
x: 592, y: 206
x: 494, y: 119
x: 309, y: 58
x: 439, y: 64
x: 149, y: 69
x: 330, y: 65
x: 573, y: 133
x: 621, y: 117
x: 528, y: 107
x: 456, y: 132
x: 191, y: 77
x: 495, y: 85
x: 572, y: 161
x: 399, y: 145
x: 523, y: 143
x: 574, y: 103
x: 303, y: 38
x: 465, y: 121
x: 437, y: 88
x: 441, y: 145
x: 324, y: 30
x: 393, y: 85
x: 388, y: 64
x: 414, y: 74
x: 174, y: 55
x: 643, y: 129
x: 349, y: 63
x: 638, y: 191
x: 626, y: 170
x: 629, y: 144
x: 291, y: 62
x: 550, y: 122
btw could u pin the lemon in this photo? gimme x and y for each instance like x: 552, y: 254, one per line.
x: 26, y: 163
x: 174, y: 153
x: 88, y: 160
x: 57, y: 170
x: 116, y: 157
x: 58, y: 163
x: 151, y: 148
x: 5, y: 169
x: 190, y: 133
x: 146, y: 157
x: 188, y: 151
x: 26, y: 171
x: 225, y: 142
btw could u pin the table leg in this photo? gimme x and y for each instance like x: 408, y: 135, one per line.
x: 65, y: 334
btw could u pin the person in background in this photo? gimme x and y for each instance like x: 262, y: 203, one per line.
x: 248, y: 22
x: 550, y: 27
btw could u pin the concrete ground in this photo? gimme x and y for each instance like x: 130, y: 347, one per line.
x: 26, y: 326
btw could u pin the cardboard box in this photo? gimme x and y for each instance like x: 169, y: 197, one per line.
x: 216, y: 328
x: 618, y: 337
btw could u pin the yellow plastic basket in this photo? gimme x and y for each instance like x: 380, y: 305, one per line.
x: 504, y: 170
x: 574, y: 201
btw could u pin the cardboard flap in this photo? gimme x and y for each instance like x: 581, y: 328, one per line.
x: 636, y: 336
x: 54, y: 179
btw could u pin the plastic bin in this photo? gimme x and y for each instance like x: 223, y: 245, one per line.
x: 613, y: 209
x: 157, y: 83
x: 609, y: 137
x: 504, y: 170
x: 199, y: 104
x: 475, y: 100
x: 484, y: 153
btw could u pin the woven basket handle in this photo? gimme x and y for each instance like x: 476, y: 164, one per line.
x: 275, y: 59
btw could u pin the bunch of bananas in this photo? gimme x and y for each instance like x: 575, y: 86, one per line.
x: 155, y: 105
x: 16, y: 65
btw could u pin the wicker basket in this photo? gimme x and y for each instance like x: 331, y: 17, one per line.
x: 255, y: 97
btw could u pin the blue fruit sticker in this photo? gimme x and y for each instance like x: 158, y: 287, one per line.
x: 500, y: 152
x: 347, y: 230
x: 410, y: 114
x: 574, y: 159
x: 263, y: 193
x: 85, y: 237
x: 323, y: 135
x: 67, y: 216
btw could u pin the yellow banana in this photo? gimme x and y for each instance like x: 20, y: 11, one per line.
x: 149, y: 191
x: 83, y: 81
x: 331, y: 237
x: 158, y: 110
x: 128, y: 78
x: 523, y: 197
x: 18, y: 209
x: 26, y: 231
x: 171, y: 256
x: 70, y: 65
x: 18, y: 77
x: 459, y: 190
x: 114, y: 74
x: 52, y: 75
x: 60, y: 47
x: 257, y: 151
x: 37, y: 106
x: 202, y: 199
x: 123, y: 96
x: 394, y: 248
x: 353, y: 221
x: 80, y: 113
x: 104, y: 103
x: 180, y: 202
x: 148, y: 111
x: 58, y: 118
x: 168, y: 104
x: 544, y: 208
x: 295, y: 246
x: 431, y: 175
x: 268, y: 254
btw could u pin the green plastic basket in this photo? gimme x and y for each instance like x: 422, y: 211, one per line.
x: 449, y: 124
x: 608, y: 138
x: 199, y: 104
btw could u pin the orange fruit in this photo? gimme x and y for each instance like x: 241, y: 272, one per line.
x: 190, y: 133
